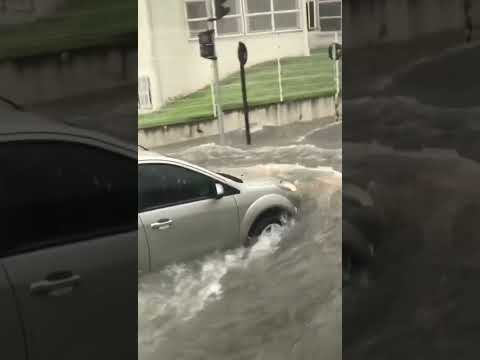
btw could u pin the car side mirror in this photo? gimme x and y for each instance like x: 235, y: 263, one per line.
x: 219, y: 191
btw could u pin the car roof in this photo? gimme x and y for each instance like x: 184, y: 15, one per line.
x: 14, y: 122
x: 148, y: 155
x: 24, y: 123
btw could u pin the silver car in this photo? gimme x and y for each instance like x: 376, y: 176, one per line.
x: 186, y: 211
x: 68, y: 249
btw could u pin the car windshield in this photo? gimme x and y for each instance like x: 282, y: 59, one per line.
x: 231, y: 177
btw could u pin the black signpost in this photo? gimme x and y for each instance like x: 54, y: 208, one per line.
x: 243, y: 58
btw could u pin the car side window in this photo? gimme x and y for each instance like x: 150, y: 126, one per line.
x: 162, y: 185
x: 59, y: 192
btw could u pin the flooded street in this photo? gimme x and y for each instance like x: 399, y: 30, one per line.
x: 281, y: 299
x: 417, y: 141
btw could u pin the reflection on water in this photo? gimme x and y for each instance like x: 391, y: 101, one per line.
x: 280, y: 299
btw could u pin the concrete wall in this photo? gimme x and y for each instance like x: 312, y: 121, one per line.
x: 273, y: 115
x: 318, y: 39
x: 377, y: 21
x: 20, y: 11
x: 46, y: 78
x: 173, y: 61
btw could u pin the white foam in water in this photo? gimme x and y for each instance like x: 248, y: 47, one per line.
x: 286, y: 170
x: 213, y: 153
x: 311, y: 132
x: 179, y: 292
x: 173, y: 298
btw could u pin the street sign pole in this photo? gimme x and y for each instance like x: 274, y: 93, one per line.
x: 335, y: 53
x: 218, y: 100
x: 243, y: 57
x: 337, y: 69
x: 216, y: 87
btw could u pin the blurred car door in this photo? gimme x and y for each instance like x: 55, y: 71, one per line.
x: 69, y: 248
x: 11, y: 330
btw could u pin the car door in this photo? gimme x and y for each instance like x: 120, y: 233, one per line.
x: 182, y: 218
x: 11, y: 327
x: 143, y: 250
x: 69, y: 247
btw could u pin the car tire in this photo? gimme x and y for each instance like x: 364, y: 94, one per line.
x: 261, y: 225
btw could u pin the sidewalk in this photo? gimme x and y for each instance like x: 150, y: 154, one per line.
x: 296, y: 133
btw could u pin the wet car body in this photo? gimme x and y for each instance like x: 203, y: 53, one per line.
x: 186, y: 211
x: 68, y: 241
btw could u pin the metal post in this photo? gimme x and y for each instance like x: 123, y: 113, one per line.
x: 279, y: 68
x: 214, y: 106
x: 218, y: 99
x: 216, y: 86
x: 280, y: 86
x: 245, y: 104
x: 337, y: 68
x: 306, y: 41
x: 337, y: 81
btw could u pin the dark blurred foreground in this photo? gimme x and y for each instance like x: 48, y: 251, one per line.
x: 411, y: 136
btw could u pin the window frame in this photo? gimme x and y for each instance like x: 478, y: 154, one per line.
x: 239, y: 16
x: 243, y: 16
x: 188, y: 20
x: 58, y: 138
x: 320, y: 17
x: 272, y: 14
x: 145, y: 102
x: 229, y: 189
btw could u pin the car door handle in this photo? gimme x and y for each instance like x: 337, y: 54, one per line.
x: 57, y: 283
x: 162, y: 224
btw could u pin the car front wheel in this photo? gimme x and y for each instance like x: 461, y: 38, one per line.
x: 266, y: 226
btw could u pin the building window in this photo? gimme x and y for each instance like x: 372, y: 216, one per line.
x: 197, y: 16
x: 144, y: 93
x: 256, y: 15
x: 272, y: 15
x: 330, y: 15
x: 232, y: 23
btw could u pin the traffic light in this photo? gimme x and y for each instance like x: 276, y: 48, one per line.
x: 221, y: 9
x: 207, y: 44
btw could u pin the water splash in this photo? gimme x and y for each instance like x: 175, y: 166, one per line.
x: 302, y: 154
x: 243, y: 303
x: 180, y: 291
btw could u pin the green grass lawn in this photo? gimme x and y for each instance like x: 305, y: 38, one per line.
x: 78, y: 25
x: 302, y: 78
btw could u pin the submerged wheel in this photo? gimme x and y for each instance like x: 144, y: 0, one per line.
x: 265, y: 225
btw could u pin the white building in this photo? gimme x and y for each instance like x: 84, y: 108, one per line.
x: 169, y: 57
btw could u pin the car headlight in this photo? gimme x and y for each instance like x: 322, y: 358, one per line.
x: 288, y: 186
